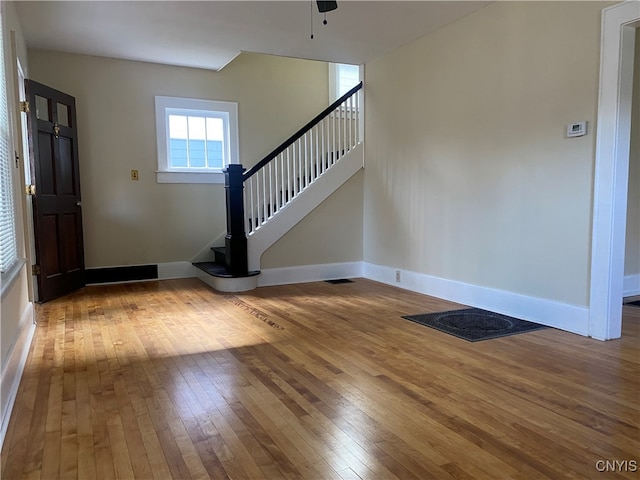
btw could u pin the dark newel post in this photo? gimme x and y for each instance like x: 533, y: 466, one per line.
x: 236, y: 239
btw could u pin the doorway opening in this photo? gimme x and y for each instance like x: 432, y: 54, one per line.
x: 619, y: 25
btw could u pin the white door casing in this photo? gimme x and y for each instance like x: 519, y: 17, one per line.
x: 611, y: 178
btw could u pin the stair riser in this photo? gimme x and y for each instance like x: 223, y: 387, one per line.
x: 242, y: 284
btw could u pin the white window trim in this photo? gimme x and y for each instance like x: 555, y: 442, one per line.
x: 11, y: 263
x: 164, y: 174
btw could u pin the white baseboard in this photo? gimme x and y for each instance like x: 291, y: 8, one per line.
x: 572, y: 318
x: 14, y: 366
x: 309, y: 273
x: 631, y: 286
x: 168, y: 271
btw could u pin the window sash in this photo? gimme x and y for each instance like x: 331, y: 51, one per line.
x: 8, y: 241
x: 189, y: 158
x: 227, y: 146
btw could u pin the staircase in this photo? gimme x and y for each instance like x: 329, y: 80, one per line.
x: 266, y: 201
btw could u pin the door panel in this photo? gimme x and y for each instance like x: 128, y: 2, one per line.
x: 57, y: 203
x: 50, y: 261
x: 70, y: 225
x: 66, y: 182
x: 46, y: 166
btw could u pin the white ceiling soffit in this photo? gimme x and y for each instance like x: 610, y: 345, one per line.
x: 209, y: 34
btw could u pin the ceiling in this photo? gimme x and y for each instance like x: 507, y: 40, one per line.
x: 210, y: 34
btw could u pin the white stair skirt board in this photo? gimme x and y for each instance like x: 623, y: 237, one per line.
x: 309, y: 273
x: 13, y: 367
x: 327, y: 183
x: 572, y: 318
x: 228, y: 285
x: 631, y: 286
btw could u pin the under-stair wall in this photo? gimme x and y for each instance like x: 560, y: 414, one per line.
x: 270, y: 232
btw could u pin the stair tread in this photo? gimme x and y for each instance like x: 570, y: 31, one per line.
x: 218, y: 270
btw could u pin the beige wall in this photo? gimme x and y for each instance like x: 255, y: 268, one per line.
x: 632, y: 254
x: 127, y: 222
x: 332, y: 233
x: 468, y: 173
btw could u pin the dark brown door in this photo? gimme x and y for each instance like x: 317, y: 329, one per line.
x: 57, y: 211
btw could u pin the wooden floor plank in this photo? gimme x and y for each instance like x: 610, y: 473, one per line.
x: 315, y: 381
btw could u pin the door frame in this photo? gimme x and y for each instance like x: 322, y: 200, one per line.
x: 26, y: 169
x: 611, y: 176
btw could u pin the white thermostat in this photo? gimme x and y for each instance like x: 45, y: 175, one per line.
x: 577, y: 129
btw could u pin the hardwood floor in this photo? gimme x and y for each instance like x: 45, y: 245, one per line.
x: 316, y: 381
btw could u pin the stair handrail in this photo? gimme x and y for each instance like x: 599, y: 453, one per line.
x: 291, y: 140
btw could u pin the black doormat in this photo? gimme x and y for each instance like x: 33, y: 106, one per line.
x: 473, y: 324
x: 635, y: 304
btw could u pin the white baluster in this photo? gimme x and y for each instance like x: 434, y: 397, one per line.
x: 350, y: 120
x: 270, y: 207
x: 282, y: 183
x: 294, y: 169
x: 306, y: 161
x: 250, y: 209
x: 265, y: 214
x: 276, y: 200
x: 334, y: 152
x: 324, y: 145
x: 316, y: 170
x: 245, y: 200
x: 300, y: 178
x: 289, y: 186
x: 344, y: 128
x: 357, y: 95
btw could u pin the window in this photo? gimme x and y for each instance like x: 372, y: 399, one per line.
x: 197, y: 139
x: 8, y: 243
x: 342, y: 78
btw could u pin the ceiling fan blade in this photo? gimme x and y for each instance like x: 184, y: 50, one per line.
x: 326, y: 6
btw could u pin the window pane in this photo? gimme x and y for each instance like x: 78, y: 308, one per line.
x: 63, y: 115
x: 197, y: 130
x: 215, y: 129
x: 196, y: 153
x: 348, y: 77
x: 197, y: 136
x: 42, y: 108
x: 178, y: 126
x: 215, y: 142
x: 178, y: 154
x: 214, y: 154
